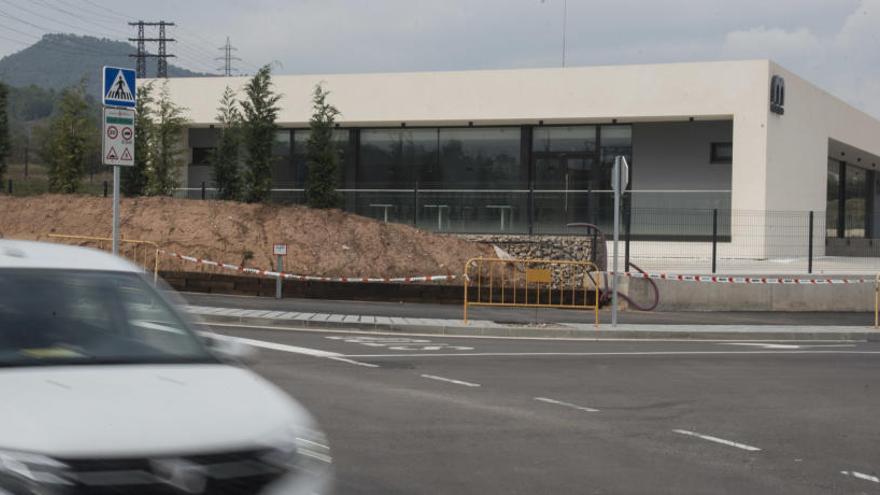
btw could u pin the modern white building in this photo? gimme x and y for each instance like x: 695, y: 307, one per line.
x: 530, y: 150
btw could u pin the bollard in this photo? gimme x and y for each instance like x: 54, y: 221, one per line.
x: 105, y: 188
x: 10, y: 186
x: 203, y: 190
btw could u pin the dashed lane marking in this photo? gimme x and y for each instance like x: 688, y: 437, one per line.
x: 566, y: 404
x: 785, y: 346
x: 718, y: 440
x: 861, y: 476
x: 450, y: 380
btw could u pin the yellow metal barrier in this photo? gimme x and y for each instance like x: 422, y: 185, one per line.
x: 877, y: 301
x: 136, y: 251
x: 531, y: 283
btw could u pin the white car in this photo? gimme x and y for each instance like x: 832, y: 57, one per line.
x: 107, y: 389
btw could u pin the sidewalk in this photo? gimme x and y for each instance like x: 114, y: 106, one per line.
x: 456, y: 327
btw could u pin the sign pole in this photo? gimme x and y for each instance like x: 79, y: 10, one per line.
x: 118, y: 120
x: 278, y: 280
x: 616, y: 180
x: 115, y: 209
x: 619, y: 181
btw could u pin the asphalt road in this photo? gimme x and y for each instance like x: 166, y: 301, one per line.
x: 474, y: 415
x: 519, y: 315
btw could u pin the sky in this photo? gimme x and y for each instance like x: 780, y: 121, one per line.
x: 833, y: 43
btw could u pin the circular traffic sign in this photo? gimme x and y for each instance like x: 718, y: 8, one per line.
x: 112, y: 132
x: 126, y: 133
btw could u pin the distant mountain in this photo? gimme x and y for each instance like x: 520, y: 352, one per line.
x: 61, y: 60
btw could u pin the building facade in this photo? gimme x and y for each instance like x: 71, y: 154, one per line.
x: 529, y: 151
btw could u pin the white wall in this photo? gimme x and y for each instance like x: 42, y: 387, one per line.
x: 798, y: 142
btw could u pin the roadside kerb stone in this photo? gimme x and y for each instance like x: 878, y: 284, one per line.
x: 567, y: 331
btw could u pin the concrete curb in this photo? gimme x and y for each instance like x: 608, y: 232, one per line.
x: 564, y: 331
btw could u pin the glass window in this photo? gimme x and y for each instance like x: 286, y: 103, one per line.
x: 832, y: 207
x: 394, y: 158
x: 578, y: 139
x: 856, y: 191
x: 282, y: 168
x: 480, y: 158
x: 300, y: 154
x: 202, y: 156
x: 721, y: 153
x: 614, y: 140
x: 50, y: 317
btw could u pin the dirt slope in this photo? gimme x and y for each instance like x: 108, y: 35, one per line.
x: 321, y: 242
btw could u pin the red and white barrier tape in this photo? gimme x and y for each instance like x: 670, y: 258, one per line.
x: 732, y: 279
x: 293, y: 276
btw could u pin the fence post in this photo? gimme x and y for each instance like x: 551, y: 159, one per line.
x: 203, y: 189
x: 810, y: 246
x: 628, y: 221
x: 594, y: 248
x: 714, y: 239
x: 105, y: 188
x: 416, y: 205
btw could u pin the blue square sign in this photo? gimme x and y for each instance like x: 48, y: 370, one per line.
x: 119, y: 87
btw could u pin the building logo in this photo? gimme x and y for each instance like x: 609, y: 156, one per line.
x: 777, y: 95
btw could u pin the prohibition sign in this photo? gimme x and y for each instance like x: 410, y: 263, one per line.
x: 126, y: 133
x: 112, y: 132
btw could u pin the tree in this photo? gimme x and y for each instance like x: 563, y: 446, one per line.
x: 5, y: 142
x: 225, y: 158
x: 260, y: 112
x: 322, y: 156
x: 166, y: 153
x: 133, y: 181
x: 70, y: 141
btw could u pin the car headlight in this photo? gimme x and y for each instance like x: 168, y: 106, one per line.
x: 32, y: 468
x: 301, y: 448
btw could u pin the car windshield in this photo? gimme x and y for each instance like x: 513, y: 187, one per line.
x: 52, y: 317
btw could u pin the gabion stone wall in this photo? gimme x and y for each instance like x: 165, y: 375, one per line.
x: 574, y: 248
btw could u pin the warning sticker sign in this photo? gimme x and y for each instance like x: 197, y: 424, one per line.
x: 118, y: 136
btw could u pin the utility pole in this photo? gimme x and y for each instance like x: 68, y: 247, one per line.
x: 142, y: 55
x: 227, y: 58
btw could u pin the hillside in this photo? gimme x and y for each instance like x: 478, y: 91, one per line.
x: 321, y: 242
x: 61, y: 60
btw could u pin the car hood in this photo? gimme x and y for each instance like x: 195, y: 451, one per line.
x: 132, y: 410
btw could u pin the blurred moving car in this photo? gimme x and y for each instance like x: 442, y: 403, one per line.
x: 106, y: 388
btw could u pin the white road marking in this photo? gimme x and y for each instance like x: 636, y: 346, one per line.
x: 352, y: 361
x: 284, y: 347
x: 399, y: 343
x: 274, y: 346
x: 861, y: 476
x: 785, y: 346
x: 634, y: 353
x: 487, y: 337
x: 718, y: 440
x: 566, y: 404
x: 450, y: 380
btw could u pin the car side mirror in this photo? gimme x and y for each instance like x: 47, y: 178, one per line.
x: 231, y: 349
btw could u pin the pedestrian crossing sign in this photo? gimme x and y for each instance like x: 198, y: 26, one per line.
x: 119, y: 86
